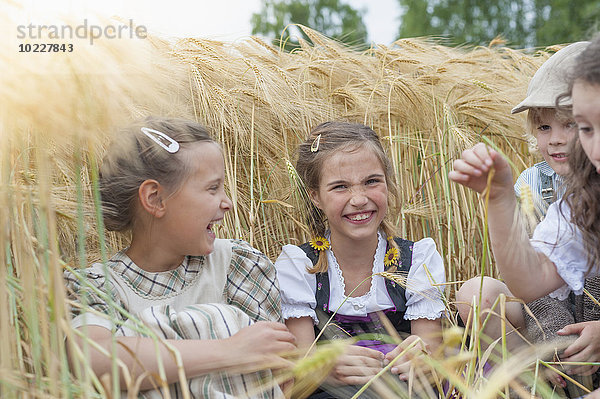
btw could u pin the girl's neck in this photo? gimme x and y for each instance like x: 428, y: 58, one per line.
x: 354, y: 254
x: 151, y: 256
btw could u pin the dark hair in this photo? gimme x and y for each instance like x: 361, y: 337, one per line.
x: 582, y: 193
x: 588, y: 65
x: 133, y: 157
x: 333, y: 137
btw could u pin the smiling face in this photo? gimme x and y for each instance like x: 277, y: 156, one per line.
x: 586, y: 111
x: 201, y: 202
x: 352, y: 194
x: 553, y: 133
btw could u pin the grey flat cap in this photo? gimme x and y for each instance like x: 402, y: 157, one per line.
x: 550, y: 80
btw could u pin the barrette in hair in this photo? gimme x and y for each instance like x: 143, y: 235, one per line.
x: 314, y: 147
x: 161, y: 139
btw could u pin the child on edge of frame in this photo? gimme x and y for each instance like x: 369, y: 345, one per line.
x: 350, y: 182
x: 215, y: 301
x: 564, y: 249
x: 553, y: 128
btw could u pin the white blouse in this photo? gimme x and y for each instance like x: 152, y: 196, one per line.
x: 423, y: 300
x: 561, y: 241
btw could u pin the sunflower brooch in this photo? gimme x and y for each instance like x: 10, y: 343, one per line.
x: 319, y: 243
x: 391, y: 257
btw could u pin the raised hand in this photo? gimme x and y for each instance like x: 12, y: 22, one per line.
x: 474, y: 166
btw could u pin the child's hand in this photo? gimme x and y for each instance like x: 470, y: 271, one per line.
x: 586, y: 348
x: 402, y: 365
x: 263, y: 341
x: 356, y: 366
x: 472, y: 170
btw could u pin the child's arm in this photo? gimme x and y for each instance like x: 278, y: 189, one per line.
x: 430, y: 331
x: 251, y: 347
x: 519, y: 264
x: 303, y: 330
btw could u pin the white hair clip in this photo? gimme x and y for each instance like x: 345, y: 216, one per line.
x: 160, y: 138
x: 314, y: 147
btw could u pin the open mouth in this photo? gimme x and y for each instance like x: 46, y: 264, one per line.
x: 212, y: 224
x: 559, y: 156
x: 361, y: 217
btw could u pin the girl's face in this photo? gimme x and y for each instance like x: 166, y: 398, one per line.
x: 553, y: 135
x: 586, y: 111
x: 353, y: 194
x: 201, y: 202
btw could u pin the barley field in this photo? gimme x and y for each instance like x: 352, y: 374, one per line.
x: 427, y: 102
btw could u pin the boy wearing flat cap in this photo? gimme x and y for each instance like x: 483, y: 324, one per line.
x: 552, y: 128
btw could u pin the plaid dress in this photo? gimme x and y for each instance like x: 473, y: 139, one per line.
x: 206, y: 297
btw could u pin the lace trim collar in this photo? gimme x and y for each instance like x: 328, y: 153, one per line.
x: 377, y: 260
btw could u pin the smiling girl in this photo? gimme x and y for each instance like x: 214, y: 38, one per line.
x: 215, y: 301
x: 350, y: 182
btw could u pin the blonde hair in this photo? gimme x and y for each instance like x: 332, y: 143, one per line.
x: 133, y: 157
x: 332, y: 138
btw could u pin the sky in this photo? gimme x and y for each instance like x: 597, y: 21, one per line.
x: 224, y: 20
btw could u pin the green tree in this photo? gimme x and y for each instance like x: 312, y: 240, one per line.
x: 333, y: 18
x: 465, y: 21
x: 523, y: 23
x: 562, y: 21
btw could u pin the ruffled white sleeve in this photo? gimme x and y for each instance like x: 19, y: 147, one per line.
x: 423, y: 298
x: 296, y: 284
x: 561, y: 242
